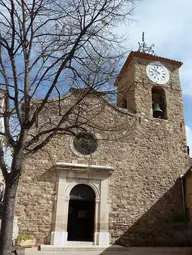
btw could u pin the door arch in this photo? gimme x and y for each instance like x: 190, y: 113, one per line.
x: 81, y: 213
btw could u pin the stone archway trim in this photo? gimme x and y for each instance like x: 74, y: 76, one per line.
x: 70, y: 175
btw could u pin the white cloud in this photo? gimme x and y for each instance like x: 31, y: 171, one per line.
x: 189, y: 138
x: 186, y: 77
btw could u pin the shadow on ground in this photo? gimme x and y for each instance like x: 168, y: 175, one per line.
x: 147, y: 251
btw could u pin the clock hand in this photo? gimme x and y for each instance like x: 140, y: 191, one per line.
x: 155, y: 70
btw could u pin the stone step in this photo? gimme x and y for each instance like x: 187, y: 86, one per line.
x: 82, y: 247
x: 111, y: 250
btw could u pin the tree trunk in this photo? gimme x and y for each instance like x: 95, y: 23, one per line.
x: 8, y: 217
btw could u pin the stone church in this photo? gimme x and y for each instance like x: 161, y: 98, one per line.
x: 118, y: 179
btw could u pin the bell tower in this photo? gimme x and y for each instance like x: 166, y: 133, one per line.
x: 149, y: 84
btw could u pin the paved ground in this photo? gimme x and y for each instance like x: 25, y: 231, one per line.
x: 109, y: 251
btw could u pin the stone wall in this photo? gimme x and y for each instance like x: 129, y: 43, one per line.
x: 187, y: 181
x: 148, y: 156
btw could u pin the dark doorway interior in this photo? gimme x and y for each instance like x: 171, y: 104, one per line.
x: 81, y: 214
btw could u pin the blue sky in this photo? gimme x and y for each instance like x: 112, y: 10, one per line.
x: 167, y: 24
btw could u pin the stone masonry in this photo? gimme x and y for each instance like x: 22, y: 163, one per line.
x: 148, y: 155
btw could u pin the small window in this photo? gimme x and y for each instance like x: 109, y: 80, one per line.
x: 159, y: 103
x: 85, y: 143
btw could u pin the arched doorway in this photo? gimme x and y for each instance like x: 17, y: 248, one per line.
x: 81, y: 213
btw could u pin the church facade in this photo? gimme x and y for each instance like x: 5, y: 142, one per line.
x: 118, y: 181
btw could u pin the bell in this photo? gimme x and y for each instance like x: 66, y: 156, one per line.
x: 157, y: 112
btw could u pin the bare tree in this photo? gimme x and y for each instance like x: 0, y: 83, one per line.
x: 46, y: 47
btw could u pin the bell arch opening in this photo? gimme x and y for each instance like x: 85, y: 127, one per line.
x: 81, y: 214
x: 159, y: 106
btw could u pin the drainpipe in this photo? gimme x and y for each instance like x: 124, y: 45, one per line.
x: 183, y: 197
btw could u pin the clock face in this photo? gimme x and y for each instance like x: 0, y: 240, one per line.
x: 157, y: 73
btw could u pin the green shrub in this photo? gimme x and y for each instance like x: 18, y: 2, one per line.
x: 24, y: 237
